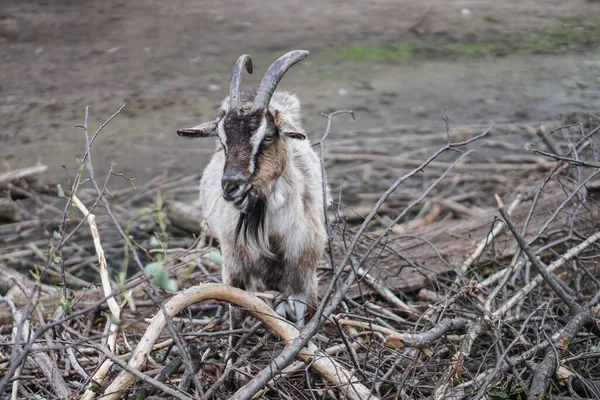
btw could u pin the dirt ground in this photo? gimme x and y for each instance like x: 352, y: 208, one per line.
x: 170, y: 63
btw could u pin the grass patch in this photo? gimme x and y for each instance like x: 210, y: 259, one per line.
x: 567, y: 35
x: 472, y: 49
x: 552, y: 40
x: 560, y: 37
x: 396, y: 52
x: 572, y: 20
x: 491, y: 20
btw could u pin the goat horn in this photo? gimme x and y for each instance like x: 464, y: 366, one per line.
x: 235, y: 92
x: 273, y: 76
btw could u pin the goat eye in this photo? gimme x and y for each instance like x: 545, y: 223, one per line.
x: 269, y: 137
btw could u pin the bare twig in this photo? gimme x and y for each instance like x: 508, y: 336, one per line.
x: 112, y: 303
x: 399, y: 340
x: 324, y: 179
x: 22, y: 173
x: 488, y: 239
x: 572, y: 161
x: 48, y: 368
x: 325, y: 365
x: 145, y: 378
x: 540, y: 267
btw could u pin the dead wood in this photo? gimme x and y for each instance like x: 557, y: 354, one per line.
x: 416, y: 259
x: 484, y: 321
x: 185, y: 216
x: 17, y: 174
x: 9, y: 211
x: 329, y: 368
x: 45, y: 364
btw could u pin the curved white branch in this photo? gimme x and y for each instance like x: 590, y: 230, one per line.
x: 327, y: 367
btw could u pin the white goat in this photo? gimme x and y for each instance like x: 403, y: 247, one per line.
x: 262, y: 192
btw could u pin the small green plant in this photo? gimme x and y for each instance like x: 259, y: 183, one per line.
x: 65, y: 302
x: 498, y: 394
x: 397, y: 52
x: 161, y: 276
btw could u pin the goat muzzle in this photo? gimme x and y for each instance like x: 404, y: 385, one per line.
x: 233, y: 189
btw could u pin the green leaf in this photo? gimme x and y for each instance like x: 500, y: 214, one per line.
x: 152, y: 267
x: 121, y: 276
x: 154, y: 242
x: 215, y: 257
x: 130, y: 301
x: 160, y: 276
x: 114, y: 320
x: 56, y: 235
x: 170, y: 285
x: 498, y: 394
x: 35, y: 273
x: 67, y: 306
x: 61, y: 192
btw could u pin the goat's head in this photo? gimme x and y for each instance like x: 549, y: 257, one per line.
x: 254, y: 137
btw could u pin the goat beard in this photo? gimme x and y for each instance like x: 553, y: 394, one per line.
x: 251, y: 223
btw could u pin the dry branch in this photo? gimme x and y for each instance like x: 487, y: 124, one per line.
x: 9, y: 211
x: 111, y: 302
x: 436, y: 246
x: 400, y: 341
x: 334, y: 372
x: 185, y: 216
x: 516, y: 327
x: 17, y: 174
x: 540, y: 267
x: 44, y: 362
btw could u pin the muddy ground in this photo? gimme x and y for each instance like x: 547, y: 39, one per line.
x: 393, y: 62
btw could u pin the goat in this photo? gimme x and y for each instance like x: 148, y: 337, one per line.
x: 262, y: 192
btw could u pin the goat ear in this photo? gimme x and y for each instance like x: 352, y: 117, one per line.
x: 206, y: 129
x: 295, y: 135
x: 287, y: 129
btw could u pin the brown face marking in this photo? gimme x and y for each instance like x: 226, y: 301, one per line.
x: 271, y: 158
x: 270, y: 165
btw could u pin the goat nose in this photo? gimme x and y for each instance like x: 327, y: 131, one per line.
x: 230, y: 186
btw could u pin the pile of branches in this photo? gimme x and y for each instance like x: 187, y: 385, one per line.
x: 431, y: 286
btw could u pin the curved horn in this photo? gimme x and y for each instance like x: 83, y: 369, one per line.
x: 235, y: 92
x: 273, y: 76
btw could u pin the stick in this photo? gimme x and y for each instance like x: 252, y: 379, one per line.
x: 540, y: 166
x: 489, y: 239
x: 22, y: 173
x: 42, y: 359
x: 102, y: 265
x: 111, y: 302
x: 329, y: 368
x: 399, y: 340
x: 539, y: 266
